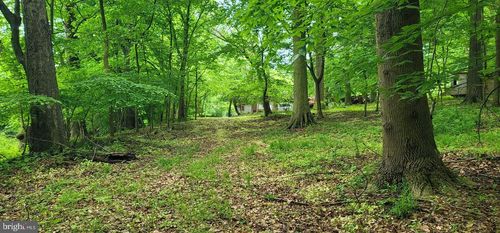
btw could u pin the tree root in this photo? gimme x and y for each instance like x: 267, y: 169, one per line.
x: 427, y: 179
x: 301, y: 121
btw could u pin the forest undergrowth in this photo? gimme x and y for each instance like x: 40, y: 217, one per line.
x: 250, y: 174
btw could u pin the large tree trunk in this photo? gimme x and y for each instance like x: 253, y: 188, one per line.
x: 409, y: 149
x: 496, y: 97
x: 301, y: 116
x: 47, y: 125
x: 474, y: 82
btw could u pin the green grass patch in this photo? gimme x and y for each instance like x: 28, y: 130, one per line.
x: 9, y: 147
x: 195, y: 210
x: 169, y: 163
x: 405, y: 205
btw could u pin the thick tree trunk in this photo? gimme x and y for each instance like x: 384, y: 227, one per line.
x: 409, y: 148
x: 301, y: 116
x: 47, y: 125
x: 474, y: 82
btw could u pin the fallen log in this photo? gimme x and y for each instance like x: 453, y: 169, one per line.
x: 114, y: 157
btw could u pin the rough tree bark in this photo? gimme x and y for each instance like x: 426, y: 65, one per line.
x: 409, y: 148
x: 301, y: 116
x: 474, y: 82
x: 47, y: 126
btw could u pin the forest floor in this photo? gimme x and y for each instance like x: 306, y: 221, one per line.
x: 249, y: 174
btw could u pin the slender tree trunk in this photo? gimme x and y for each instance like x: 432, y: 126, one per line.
x: 47, y: 125
x: 196, y: 94
x: 105, y: 57
x: 14, y: 20
x: 235, y: 103
x: 130, y: 118
x: 317, y: 75
x: 409, y: 148
x: 265, y: 97
x: 323, y: 91
x: 301, y: 116
x: 182, y: 115
x: 319, y: 81
x: 348, y: 92
x: 496, y: 97
x: 167, y: 111
x: 229, y: 113
x: 174, y: 111
x: 105, y: 60
x: 171, y: 114
x: 365, y: 95
x: 474, y: 82
x: 70, y: 31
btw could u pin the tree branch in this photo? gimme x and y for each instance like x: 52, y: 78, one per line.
x: 14, y: 20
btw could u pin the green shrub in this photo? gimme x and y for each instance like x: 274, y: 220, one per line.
x: 405, y: 204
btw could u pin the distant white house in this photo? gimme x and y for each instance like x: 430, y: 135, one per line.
x: 253, y: 108
x: 459, y: 85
